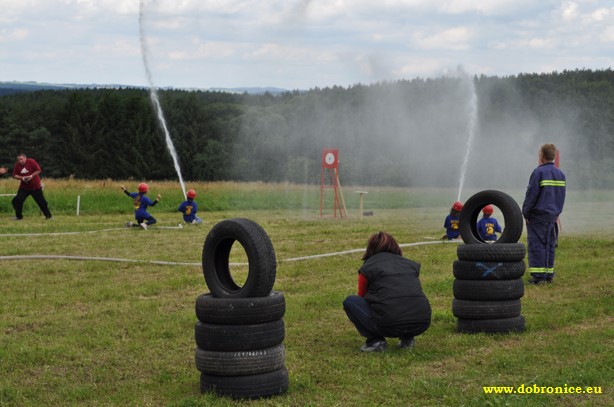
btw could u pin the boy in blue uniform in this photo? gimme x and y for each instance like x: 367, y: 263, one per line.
x: 452, y: 222
x: 488, y: 227
x: 189, y: 208
x: 542, y: 206
x: 141, y: 202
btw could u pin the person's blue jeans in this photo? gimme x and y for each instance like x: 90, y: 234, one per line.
x: 359, y: 311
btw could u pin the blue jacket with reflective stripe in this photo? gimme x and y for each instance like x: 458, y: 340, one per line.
x: 545, y: 194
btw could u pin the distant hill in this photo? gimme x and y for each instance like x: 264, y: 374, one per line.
x: 251, y: 91
x: 8, y: 88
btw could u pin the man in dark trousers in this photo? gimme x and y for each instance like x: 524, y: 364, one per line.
x: 542, y: 206
x: 26, y: 170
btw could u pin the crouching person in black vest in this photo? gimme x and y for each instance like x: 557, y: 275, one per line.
x: 390, y: 302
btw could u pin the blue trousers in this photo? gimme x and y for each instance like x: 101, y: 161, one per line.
x: 541, y: 241
x: 359, y: 312
x: 144, y: 216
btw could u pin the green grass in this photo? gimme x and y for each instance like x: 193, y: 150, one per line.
x: 115, y: 333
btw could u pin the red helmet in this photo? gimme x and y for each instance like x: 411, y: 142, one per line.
x: 457, y: 206
x: 191, y: 194
x: 488, y: 210
x: 143, y: 187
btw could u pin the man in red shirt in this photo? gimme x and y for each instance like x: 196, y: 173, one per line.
x: 26, y: 170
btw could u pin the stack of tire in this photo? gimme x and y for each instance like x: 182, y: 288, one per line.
x: 240, y: 329
x: 488, y: 281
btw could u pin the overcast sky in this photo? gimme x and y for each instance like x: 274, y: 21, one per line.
x: 297, y: 44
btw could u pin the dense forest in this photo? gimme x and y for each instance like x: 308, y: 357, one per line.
x: 405, y: 133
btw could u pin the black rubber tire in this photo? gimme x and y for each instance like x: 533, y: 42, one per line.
x: 252, y: 386
x: 253, y: 310
x: 240, y: 363
x: 466, y: 309
x: 472, y: 208
x: 484, y: 270
x: 485, y: 290
x: 228, y: 338
x: 260, y: 256
x: 504, y: 252
x: 502, y: 325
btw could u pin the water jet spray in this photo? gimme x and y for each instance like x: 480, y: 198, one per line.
x: 473, y: 118
x: 153, y: 94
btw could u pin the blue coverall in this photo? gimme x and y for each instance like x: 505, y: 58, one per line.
x: 189, y: 209
x: 542, y: 206
x: 488, y: 228
x: 451, y: 224
x: 141, y: 202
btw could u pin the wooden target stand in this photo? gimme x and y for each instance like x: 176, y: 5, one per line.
x: 330, y: 180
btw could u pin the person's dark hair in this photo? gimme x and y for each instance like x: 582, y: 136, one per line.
x: 381, y: 242
x: 549, y: 152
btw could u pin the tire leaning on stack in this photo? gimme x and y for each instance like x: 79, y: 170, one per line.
x: 488, y: 281
x: 240, y: 329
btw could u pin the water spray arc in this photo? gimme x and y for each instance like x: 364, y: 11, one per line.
x: 153, y: 94
x: 473, y: 119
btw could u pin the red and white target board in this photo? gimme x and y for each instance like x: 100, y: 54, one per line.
x: 330, y: 158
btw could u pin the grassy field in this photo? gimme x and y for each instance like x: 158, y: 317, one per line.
x: 96, y: 332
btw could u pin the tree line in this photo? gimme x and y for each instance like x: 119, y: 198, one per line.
x: 401, y: 133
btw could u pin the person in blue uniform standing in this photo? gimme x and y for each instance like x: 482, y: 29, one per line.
x: 452, y: 221
x: 189, y: 207
x: 488, y: 227
x: 141, y: 203
x: 542, y: 206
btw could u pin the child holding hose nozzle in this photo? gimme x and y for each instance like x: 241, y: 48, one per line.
x: 452, y: 222
x: 189, y: 207
x: 390, y: 302
x: 141, y: 202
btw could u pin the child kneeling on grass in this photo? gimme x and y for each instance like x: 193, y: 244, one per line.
x: 452, y: 222
x: 488, y: 227
x: 141, y: 202
x: 189, y: 208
